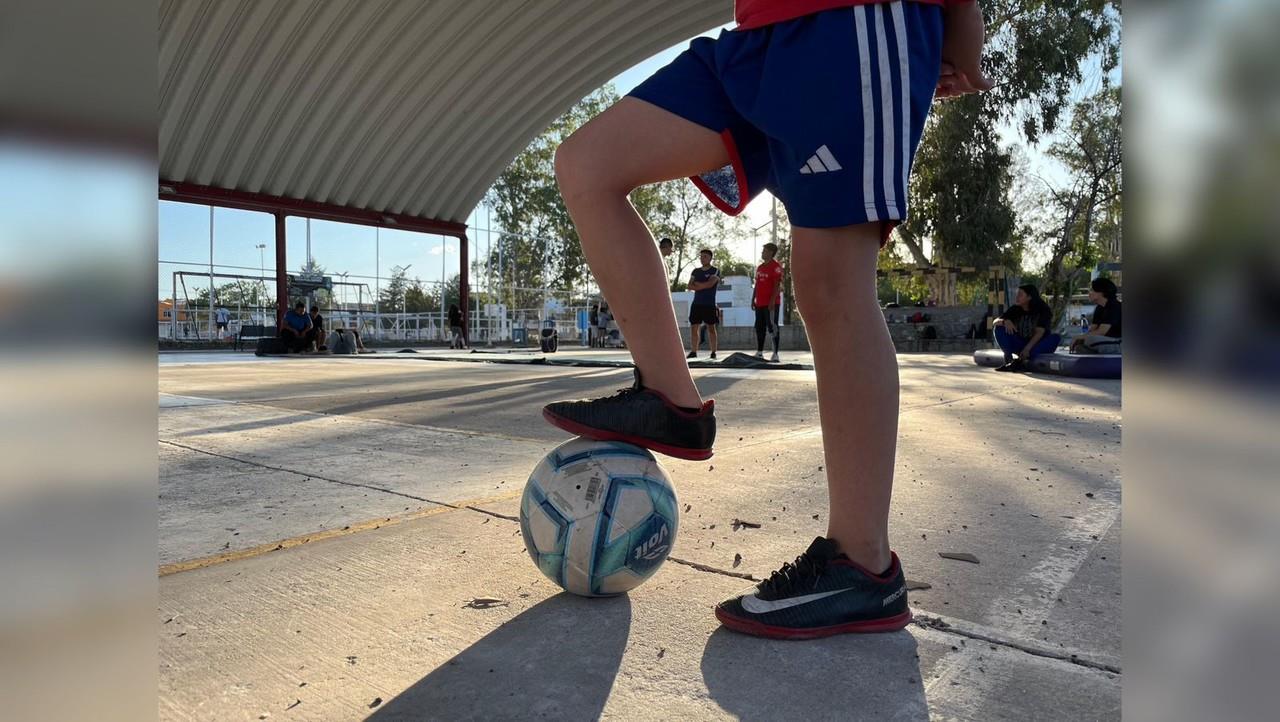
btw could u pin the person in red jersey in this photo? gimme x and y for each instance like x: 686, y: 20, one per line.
x: 765, y: 298
x: 822, y: 103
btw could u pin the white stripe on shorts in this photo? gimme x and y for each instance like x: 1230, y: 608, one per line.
x: 868, y: 120
x: 886, y: 114
x: 904, y: 69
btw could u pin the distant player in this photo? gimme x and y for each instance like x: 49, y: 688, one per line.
x: 766, y: 298
x: 703, y: 310
x: 222, y: 317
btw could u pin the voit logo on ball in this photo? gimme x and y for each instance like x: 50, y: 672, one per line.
x: 655, y: 547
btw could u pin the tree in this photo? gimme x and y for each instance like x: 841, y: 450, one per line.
x: 962, y: 177
x: 541, y: 246
x: 678, y: 210
x: 392, y: 295
x: 237, y: 294
x: 1084, y: 216
x: 313, y: 269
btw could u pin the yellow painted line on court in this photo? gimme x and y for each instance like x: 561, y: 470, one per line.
x: 254, y: 551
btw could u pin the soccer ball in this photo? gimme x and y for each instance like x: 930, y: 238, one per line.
x: 599, y: 517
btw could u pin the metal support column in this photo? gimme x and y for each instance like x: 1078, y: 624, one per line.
x: 282, y: 275
x: 464, y: 287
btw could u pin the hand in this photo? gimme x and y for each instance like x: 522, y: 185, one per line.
x: 753, y: 304
x: 963, y: 36
x: 1010, y: 327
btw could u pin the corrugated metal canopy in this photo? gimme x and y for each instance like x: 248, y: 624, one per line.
x: 402, y: 106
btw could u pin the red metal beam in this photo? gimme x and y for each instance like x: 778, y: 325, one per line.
x: 280, y: 207
x: 282, y: 274
x: 225, y: 198
x: 464, y: 290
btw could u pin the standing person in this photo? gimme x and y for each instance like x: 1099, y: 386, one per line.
x: 296, y: 327
x: 602, y: 323
x: 703, y: 310
x: 221, y: 318
x: 766, y: 298
x: 455, y: 327
x: 822, y: 102
x: 1024, y: 331
x: 1105, y: 327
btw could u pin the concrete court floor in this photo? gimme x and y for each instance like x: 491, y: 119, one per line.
x: 328, y: 524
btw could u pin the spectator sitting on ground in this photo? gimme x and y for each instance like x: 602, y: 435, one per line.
x: 316, y: 337
x: 1105, y: 328
x: 296, y: 327
x: 1023, y: 331
x: 345, y: 340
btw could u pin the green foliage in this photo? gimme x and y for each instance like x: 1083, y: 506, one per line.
x: 962, y: 177
x: 1035, y: 51
x: 542, y: 246
x: 237, y: 294
x: 960, y: 187
x: 1083, y: 219
x: 729, y: 265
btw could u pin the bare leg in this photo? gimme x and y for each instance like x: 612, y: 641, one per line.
x: 713, y: 337
x: 857, y: 371
x: 694, y: 333
x: 629, y: 145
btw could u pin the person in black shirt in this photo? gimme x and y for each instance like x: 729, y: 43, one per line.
x: 1105, y: 327
x: 315, y: 337
x: 455, y: 327
x: 703, y: 310
x: 1024, y: 331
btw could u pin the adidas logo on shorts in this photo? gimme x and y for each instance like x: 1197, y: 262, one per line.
x: 821, y: 162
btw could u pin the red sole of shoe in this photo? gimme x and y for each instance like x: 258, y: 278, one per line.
x: 675, y: 451
x: 759, y: 629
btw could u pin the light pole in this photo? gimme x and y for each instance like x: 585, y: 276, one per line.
x: 262, y: 270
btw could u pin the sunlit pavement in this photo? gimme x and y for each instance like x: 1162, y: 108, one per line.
x: 327, y: 525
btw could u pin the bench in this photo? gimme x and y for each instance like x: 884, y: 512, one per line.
x: 253, y: 332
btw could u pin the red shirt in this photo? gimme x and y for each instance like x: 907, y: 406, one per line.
x: 758, y: 13
x: 768, y: 283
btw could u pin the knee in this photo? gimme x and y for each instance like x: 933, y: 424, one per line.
x: 820, y: 297
x: 582, y: 170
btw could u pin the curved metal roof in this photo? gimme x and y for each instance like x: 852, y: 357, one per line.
x: 398, y: 106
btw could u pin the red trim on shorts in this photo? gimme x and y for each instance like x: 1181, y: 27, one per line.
x: 735, y: 160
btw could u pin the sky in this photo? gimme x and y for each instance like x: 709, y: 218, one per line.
x: 184, y: 229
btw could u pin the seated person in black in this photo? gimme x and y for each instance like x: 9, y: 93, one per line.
x: 296, y: 326
x: 1024, y: 330
x: 316, y: 337
x: 1105, y: 327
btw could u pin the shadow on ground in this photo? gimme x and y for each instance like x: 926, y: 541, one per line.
x: 557, y: 660
x: 871, y: 676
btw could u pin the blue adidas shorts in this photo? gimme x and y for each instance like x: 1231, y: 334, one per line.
x: 825, y: 111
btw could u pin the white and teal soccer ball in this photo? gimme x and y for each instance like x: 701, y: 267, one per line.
x: 599, y: 517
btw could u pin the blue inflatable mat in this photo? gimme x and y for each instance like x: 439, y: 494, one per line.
x: 1085, y: 366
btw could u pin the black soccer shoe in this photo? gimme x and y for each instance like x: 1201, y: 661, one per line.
x: 1014, y: 366
x: 822, y: 593
x: 640, y: 416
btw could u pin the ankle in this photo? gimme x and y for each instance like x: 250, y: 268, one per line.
x: 873, y: 555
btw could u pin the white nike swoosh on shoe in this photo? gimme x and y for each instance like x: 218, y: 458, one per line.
x: 756, y: 605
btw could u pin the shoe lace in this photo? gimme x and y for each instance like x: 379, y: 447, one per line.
x: 620, y: 395
x: 805, y: 571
